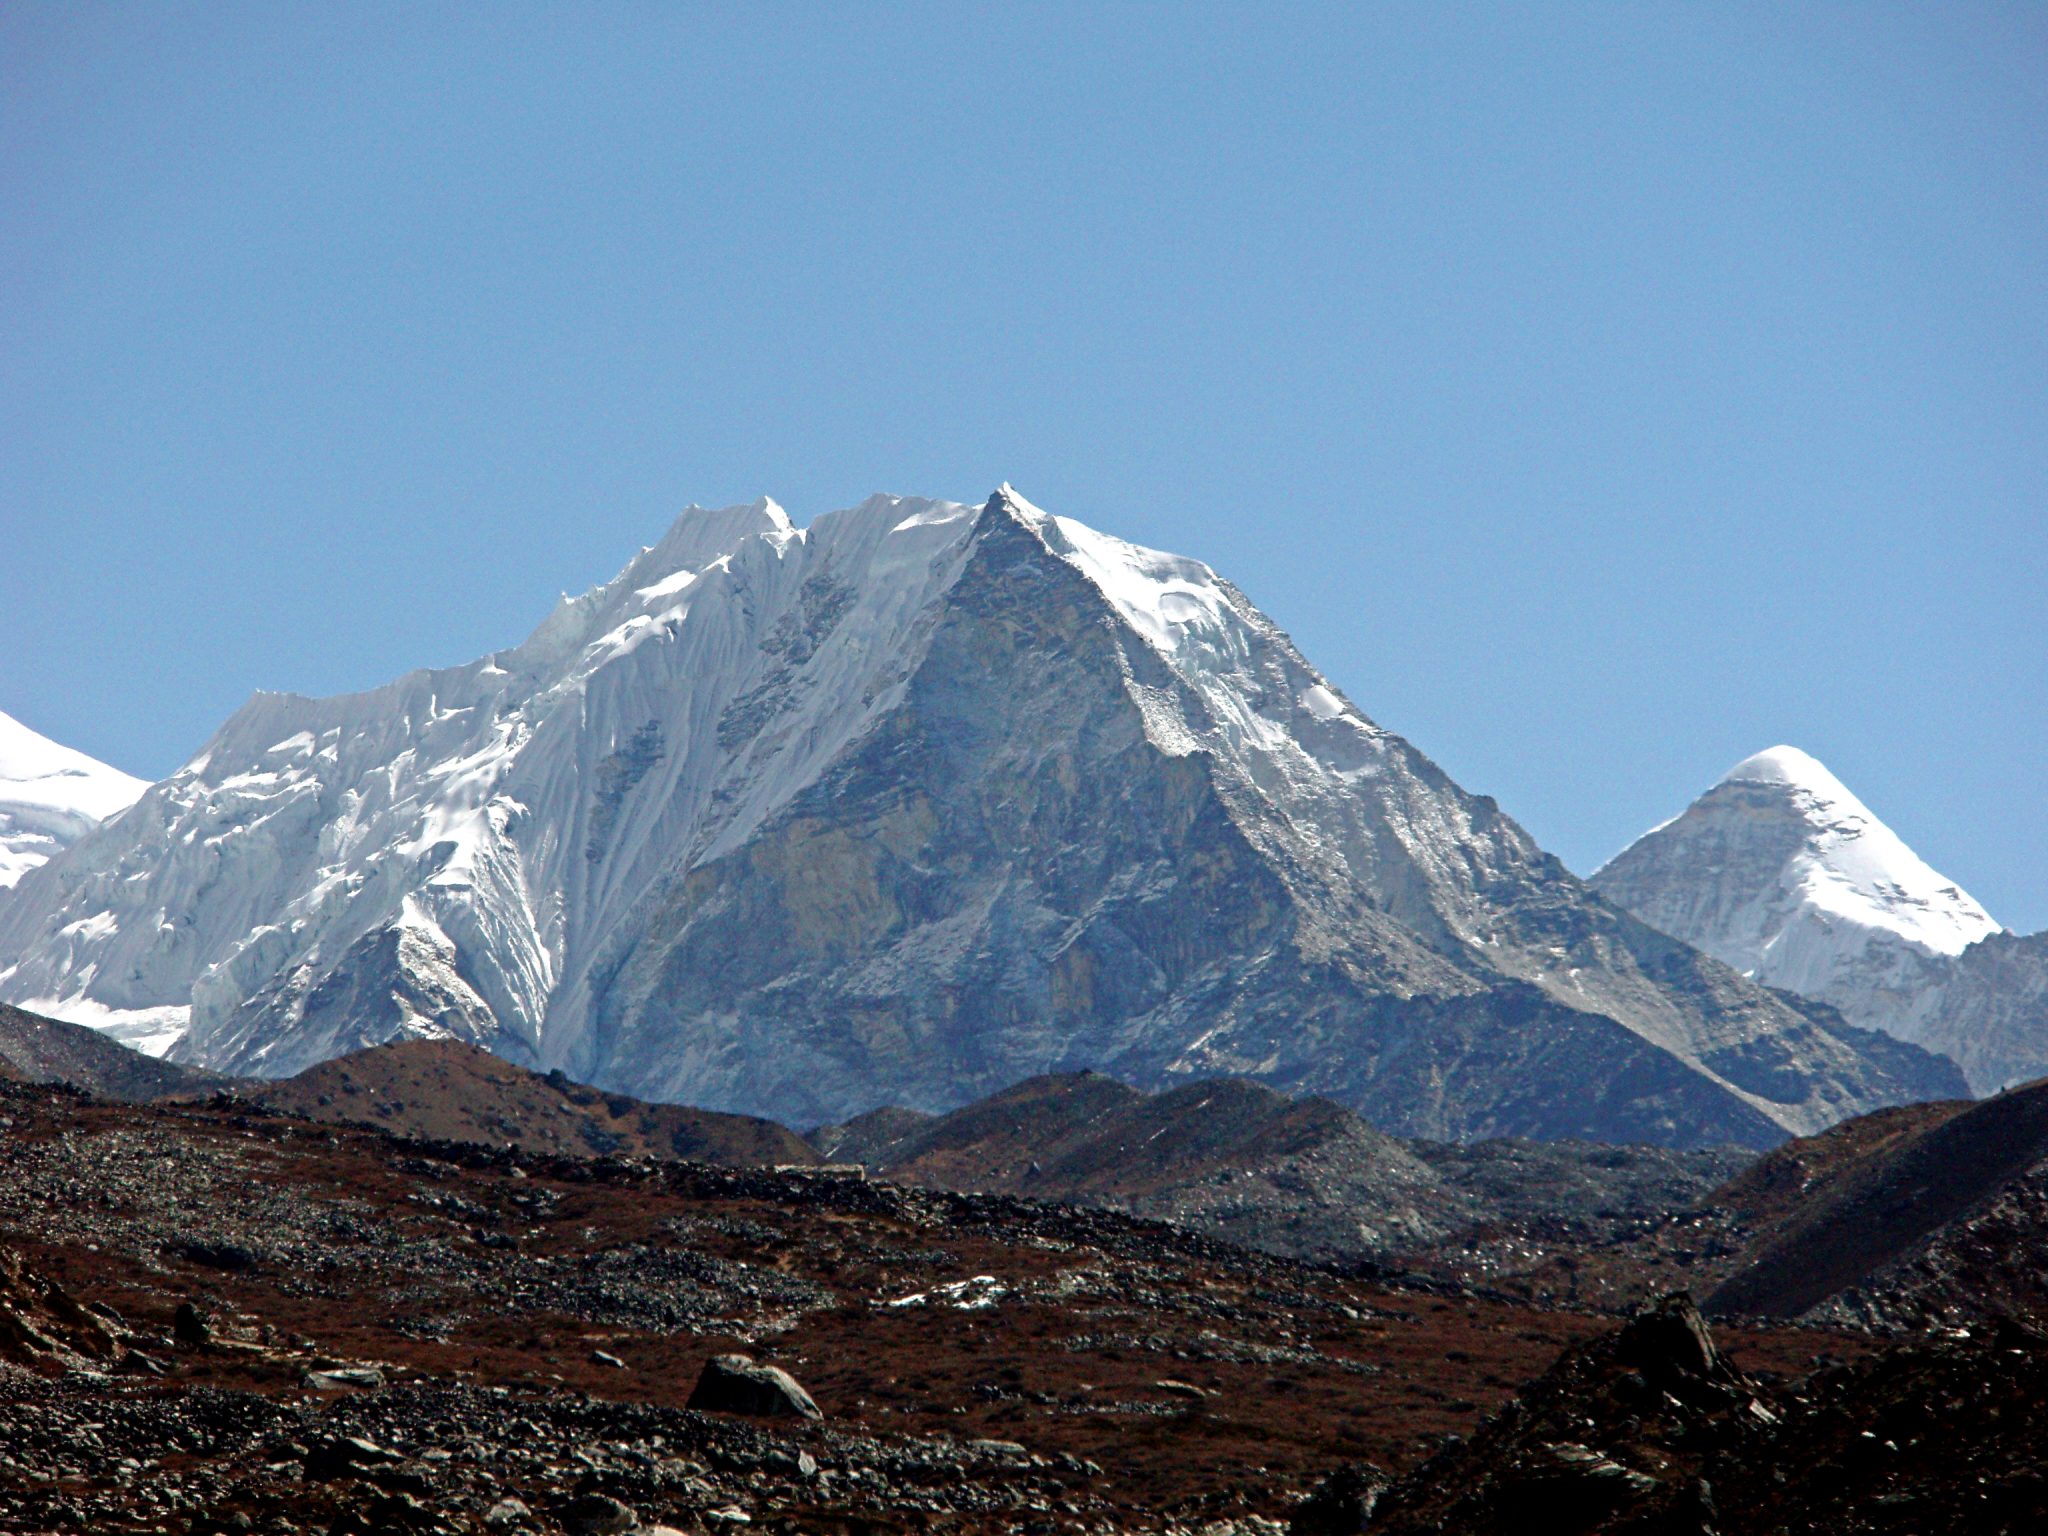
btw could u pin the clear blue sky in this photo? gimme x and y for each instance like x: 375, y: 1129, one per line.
x: 1598, y: 394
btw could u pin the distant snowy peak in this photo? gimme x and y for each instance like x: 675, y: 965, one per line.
x: 1784, y: 874
x: 1852, y: 866
x: 50, y: 796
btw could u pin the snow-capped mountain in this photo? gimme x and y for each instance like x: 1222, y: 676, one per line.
x: 50, y: 796
x: 1788, y: 877
x: 1784, y: 874
x: 905, y: 807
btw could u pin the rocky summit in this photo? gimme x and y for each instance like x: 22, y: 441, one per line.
x: 903, y: 808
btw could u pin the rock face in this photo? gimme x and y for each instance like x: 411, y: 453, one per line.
x: 736, y: 1384
x: 1784, y: 874
x: 1987, y: 1010
x: 907, y: 807
x: 51, y: 796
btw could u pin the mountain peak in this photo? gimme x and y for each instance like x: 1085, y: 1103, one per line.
x: 1777, y: 836
x: 1788, y: 765
x: 701, y: 533
x: 29, y: 757
x: 1783, y: 873
x: 904, y: 806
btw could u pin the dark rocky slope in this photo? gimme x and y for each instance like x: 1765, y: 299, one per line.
x: 514, y: 1325
x: 1307, y: 1177
x: 219, y: 1320
x: 1927, y: 1216
x: 39, y: 1050
x: 1652, y: 1431
x: 1947, y: 1223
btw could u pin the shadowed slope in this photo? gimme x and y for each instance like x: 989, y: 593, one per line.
x: 1294, y: 1175
x: 1895, y: 1207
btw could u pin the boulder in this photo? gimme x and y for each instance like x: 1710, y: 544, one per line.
x: 736, y: 1384
x: 1669, y: 1345
x: 598, y: 1514
x: 1342, y: 1504
x: 345, y: 1456
x: 1669, y: 1339
x: 343, y: 1378
x: 191, y: 1327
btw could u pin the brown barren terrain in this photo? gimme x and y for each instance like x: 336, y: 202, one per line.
x: 536, y: 1322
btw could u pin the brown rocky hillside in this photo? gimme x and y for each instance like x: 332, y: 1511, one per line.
x: 448, y: 1091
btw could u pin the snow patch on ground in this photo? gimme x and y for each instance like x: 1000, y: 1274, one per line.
x: 976, y: 1294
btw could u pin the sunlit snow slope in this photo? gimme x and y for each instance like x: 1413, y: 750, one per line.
x: 50, y: 796
x: 904, y: 807
x: 1783, y: 873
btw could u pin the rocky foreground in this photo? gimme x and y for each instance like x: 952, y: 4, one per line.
x: 1652, y: 1431
x: 218, y: 1319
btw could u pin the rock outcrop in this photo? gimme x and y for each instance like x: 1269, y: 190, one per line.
x: 1650, y: 1432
